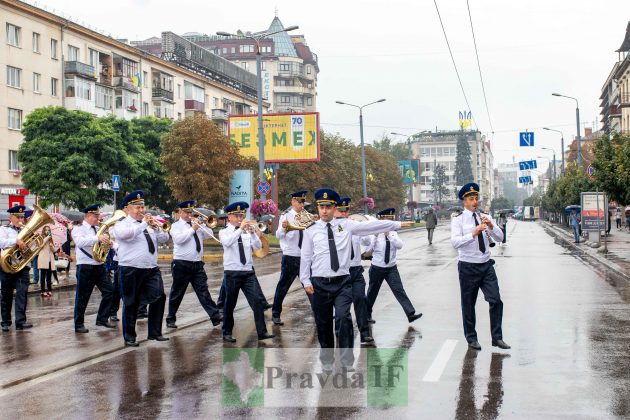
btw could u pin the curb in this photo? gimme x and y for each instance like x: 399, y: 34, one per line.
x: 593, y: 256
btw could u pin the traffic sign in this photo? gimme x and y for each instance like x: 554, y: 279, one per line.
x: 527, y: 165
x: 590, y: 171
x: 526, y: 139
x: 263, y: 188
x: 525, y: 179
x: 116, y: 182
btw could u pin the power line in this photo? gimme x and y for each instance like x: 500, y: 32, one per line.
x: 483, y: 88
x: 461, y: 85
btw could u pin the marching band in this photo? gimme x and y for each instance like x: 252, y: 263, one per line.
x: 324, y: 251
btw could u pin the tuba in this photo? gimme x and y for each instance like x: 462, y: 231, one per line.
x: 100, y: 250
x: 15, y: 259
x: 302, y: 220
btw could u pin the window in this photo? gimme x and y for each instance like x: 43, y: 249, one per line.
x: 73, y: 53
x: 246, y: 48
x: 14, y: 77
x: 285, y: 99
x: 179, y: 91
x: 285, y: 67
x: 266, y: 49
x: 308, y: 69
x: 13, y: 35
x: 93, y: 55
x: 53, y: 86
x: 35, y: 42
x: 145, y: 109
x: 104, y: 97
x: 193, y: 92
x: 13, y: 162
x: 53, y: 48
x: 145, y: 79
x: 233, y: 50
x: 79, y: 88
x: 37, y: 81
x: 15, y: 119
x: 179, y: 115
x: 309, y: 101
x: 263, y: 65
x: 127, y: 100
x: 224, y: 51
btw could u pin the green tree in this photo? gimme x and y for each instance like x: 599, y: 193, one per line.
x: 612, y: 166
x: 400, y: 151
x: 438, y: 183
x: 68, y: 157
x: 501, y: 203
x: 199, y: 160
x: 463, y: 167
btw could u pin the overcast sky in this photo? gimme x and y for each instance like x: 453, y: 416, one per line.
x: 396, y: 50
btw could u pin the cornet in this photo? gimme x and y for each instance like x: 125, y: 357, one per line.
x: 157, y: 225
x: 251, y: 225
x: 209, y: 221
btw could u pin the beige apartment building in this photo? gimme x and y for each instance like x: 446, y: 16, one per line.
x: 47, y: 60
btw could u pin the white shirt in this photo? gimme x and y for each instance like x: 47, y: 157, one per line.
x: 357, y: 241
x: 185, y: 247
x: 231, y: 257
x: 378, y: 244
x: 467, y: 246
x: 84, y: 238
x: 316, y: 252
x: 133, y: 249
x: 7, y: 236
x: 289, y: 241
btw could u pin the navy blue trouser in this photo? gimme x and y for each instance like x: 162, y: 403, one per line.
x: 333, y: 293
x: 89, y: 276
x: 185, y: 273
x: 359, y: 301
x: 234, y: 282
x: 223, y: 291
x: 141, y: 286
x: 392, y: 277
x: 9, y: 282
x: 472, y: 277
x: 290, y: 269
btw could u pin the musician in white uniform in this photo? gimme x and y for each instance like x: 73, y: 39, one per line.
x: 469, y: 235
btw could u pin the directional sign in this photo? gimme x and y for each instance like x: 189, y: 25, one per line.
x: 116, y: 183
x: 527, y: 165
x: 525, y: 179
x: 526, y: 139
x: 263, y: 188
x: 590, y: 171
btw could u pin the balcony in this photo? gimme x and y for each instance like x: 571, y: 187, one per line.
x: 219, y: 114
x: 192, y: 105
x: 615, y: 110
x: 80, y: 69
x: 624, y: 100
x: 125, y: 83
x: 159, y: 93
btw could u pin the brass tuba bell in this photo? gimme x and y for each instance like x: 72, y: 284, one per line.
x: 302, y: 220
x: 100, y: 250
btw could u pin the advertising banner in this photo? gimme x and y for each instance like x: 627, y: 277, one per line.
x: 288, y: 137
x: 594, y: 210
x: 409, y: 170
x: 241, y: 187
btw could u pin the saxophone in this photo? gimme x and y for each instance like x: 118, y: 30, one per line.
x: 100, y: 250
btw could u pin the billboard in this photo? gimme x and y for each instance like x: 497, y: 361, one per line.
x: 241, y: 187
x: 594, y: 210
x: 288, y: 137
x: 409, y: 170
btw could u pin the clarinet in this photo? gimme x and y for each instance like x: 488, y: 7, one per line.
x: 491, y: 242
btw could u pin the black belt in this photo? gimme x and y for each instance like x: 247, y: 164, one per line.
x: 331, y: 279
x: 188, y: 262
x: 490, y: 261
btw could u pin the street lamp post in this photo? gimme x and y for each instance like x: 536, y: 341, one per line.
x: 363, y: 175
x: 261, y: 131
x: 554, y: 161
x: 577, y: 121
x: 561, y: 144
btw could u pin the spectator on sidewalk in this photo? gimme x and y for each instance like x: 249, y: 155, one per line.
x: 431, y: 222
x: 610, y: 215
x: 628, y: 218
x: 618, y: 217
x: 574, y: 222
x: 502, y: 222
x: 65, y: 248
x: 46, y: 264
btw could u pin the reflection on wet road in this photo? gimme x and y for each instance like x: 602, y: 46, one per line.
x: 568, y: 324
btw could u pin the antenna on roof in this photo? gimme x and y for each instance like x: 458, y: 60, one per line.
x: 276, y: 10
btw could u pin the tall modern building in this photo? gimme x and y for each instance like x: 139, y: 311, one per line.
x: 440, y: 148
x: 289, y: 67
x: 46, y: 59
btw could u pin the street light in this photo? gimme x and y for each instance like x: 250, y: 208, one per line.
x: 365, y: 207
x: 561, y: 144
x: 577, y: 121
x: 261, y: 133
x: 554, y: 161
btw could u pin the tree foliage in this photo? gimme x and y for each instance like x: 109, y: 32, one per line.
x: 612, y: 166
x: 463, y: 165
x: 199, y: 160
x: 400, y: 151
x: 566, y: 190
x: 438, y: 183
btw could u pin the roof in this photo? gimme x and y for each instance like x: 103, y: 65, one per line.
x: 282, y: 41
x: 625, y: 45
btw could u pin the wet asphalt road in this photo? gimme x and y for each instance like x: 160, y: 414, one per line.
x: 568, y: 324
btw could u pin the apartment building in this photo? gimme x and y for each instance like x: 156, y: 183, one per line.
x: 615, y: 95
x: 47, y: 60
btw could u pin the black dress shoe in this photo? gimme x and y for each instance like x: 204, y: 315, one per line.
x: 81, y: 330
x: 23, y: 326
x: 474, y: 345
x: 130, y: 343
x: 159, y: 338
x: 367, y: 340
x: 371, y: 321
x: 500, y: 344
x: 114, y: 318
x: 216, y: 321
x: 267, y: 306
x: 171, y: 325
x: 105, y: 324
x: 5, y: 328
x: 266, y: 336
x: 276, y: 320
x: 413, y: 317
x: 229, y: 339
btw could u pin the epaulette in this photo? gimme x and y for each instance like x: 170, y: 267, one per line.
x: 312, y: 224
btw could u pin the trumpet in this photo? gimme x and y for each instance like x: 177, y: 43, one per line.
x: 209, y: 221
x: 251, y: 225
x: 157, y: 225
x: 484, y: 219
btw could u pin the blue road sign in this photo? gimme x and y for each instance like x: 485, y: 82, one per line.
x: 263, y: 187
x: 116, y: 183
x: 526, y: 139
x: 527, y: 165
x: 525, y: 180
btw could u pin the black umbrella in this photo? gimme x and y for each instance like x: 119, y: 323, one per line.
x: 75, y: 216
x: 455, y: 208
x: 572, y: 207
x: 205, y: 212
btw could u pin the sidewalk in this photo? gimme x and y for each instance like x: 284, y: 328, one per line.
x: 617, y: 259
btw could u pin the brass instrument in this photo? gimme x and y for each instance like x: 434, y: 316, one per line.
x: 100, y: 250
x: 302, y: 220
x: 157, y: 225
x: 250, y: 227
x: 210, y: 221
x: 484, y: 219
x: 360, y: 217
x: 15, y: 259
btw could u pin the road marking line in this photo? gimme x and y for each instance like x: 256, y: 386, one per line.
x: 439, y: 364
